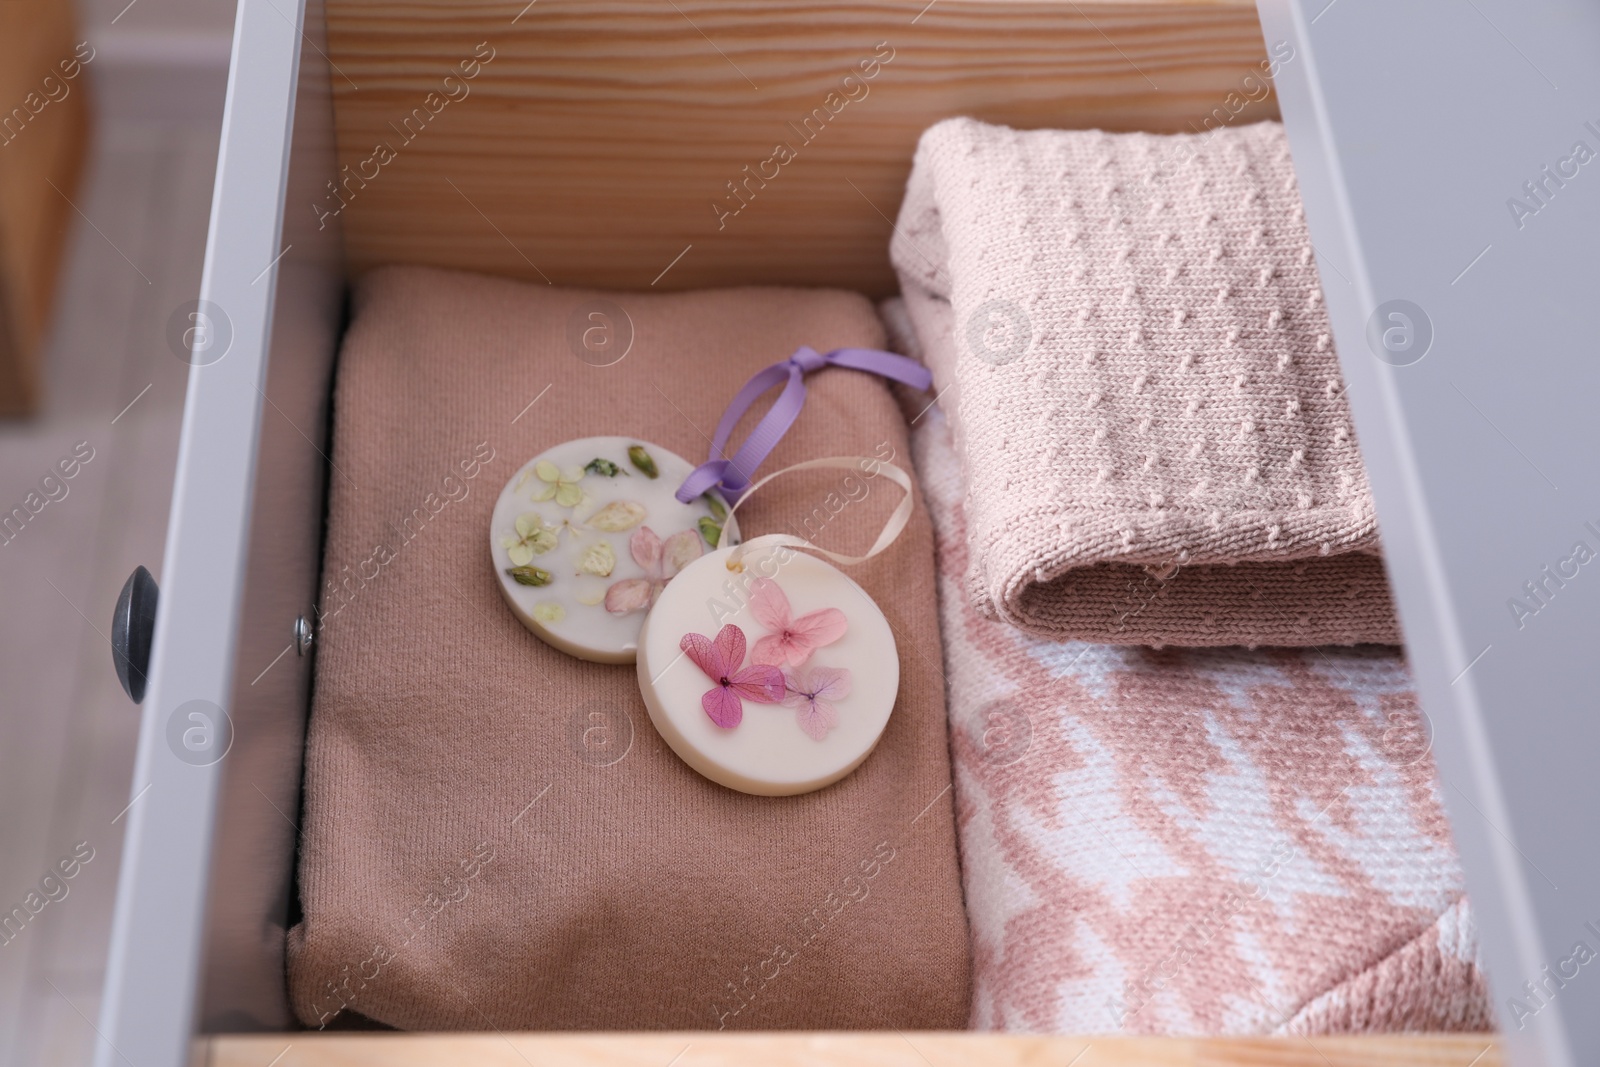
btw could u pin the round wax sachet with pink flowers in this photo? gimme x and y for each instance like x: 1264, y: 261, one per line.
x: 773, y: 676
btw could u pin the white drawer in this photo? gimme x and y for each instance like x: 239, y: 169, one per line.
x: 592, y: 140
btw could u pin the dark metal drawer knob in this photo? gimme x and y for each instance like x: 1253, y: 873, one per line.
x: 132, y: 627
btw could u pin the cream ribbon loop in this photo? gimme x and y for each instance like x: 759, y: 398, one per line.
x: 867, y: 466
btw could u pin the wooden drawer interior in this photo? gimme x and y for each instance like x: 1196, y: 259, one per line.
x: 631, y: 144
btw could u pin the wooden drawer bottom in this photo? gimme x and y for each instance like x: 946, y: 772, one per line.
x: 841, y: 1050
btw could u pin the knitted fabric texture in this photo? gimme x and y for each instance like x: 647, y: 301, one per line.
x: 1129, y: 334
x: 1194, y: 841
x: 494, y: 836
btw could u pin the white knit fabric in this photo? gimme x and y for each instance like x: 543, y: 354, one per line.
x: 1194, y: 841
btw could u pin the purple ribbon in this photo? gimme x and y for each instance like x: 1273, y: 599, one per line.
x: 732, y: 476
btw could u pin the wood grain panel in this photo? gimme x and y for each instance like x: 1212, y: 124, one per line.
x: 841, y: 1050
x: 43, y: 132
x: 591, y: 148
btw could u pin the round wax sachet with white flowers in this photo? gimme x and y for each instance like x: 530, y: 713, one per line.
x: 775, y: 675
x: 587, y: 535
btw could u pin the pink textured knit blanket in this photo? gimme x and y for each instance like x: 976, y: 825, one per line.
x: 1129, y: 333
x: 1197, y: 841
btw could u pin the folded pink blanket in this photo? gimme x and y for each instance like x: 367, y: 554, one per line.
x: 494, y: 835
x: 1128, y: 332
x: 1194, y: 842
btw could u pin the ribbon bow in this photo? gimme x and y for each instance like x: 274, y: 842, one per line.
x: 732, y: 476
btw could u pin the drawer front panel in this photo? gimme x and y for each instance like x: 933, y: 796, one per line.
x: 220, y: 738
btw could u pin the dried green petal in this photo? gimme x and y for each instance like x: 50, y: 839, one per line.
x: 549, y: 612
x: 605, y: 467
x: 617, y: 516
x: 710, y: 530
x: 716, y: 507
x: 598, y: 559
x: 535, y: 537
x: 642, y: 460
x: 529, y: 575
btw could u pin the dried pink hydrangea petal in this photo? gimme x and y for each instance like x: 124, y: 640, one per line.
x: 628, y: 595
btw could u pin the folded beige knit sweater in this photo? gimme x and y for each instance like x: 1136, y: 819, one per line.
x: 1129, y: 333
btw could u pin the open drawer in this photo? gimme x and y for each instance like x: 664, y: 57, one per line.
x: 610, y: 145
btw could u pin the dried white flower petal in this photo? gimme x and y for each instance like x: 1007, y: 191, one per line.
x: 617, y: 516
x: 598, y: 559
